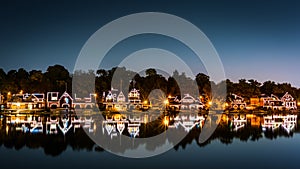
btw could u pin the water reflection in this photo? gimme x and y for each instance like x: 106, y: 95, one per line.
x: 187, y: 121
x: 55, y: 132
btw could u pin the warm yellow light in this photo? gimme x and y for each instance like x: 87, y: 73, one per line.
x: 166, y: 121
x: 145, y: 102
x: 117, y: 116
x: 166, y: 102
x: 21, y: 91
x: 226, y: 104
x: 145, y: 119
x: 95, y: 94
x: 9, y: 93
x: 169, y: 96
x: 210, y: 103
x: 7, y: 129
x: 298, y: 103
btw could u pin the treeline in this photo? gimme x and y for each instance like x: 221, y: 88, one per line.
x: 58, y: 78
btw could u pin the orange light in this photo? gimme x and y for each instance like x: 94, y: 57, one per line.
x: 166, y: 121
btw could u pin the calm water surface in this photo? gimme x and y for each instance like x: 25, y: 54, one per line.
x: 240, y: 141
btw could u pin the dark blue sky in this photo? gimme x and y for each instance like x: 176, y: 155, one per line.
x: 254, y: 39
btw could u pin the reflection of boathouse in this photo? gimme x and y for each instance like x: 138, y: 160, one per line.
x: 239, y: 121
x: 187, y: 121
x: 116, y: 124
x: 287, y: 122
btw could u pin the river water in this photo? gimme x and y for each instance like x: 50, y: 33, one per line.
x: 61, y: 141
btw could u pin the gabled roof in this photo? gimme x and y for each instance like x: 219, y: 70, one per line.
x: 121, y: 96
x: 274, y: 96
x: 65, y: 94
x: 188, y: 99
x: 133, y: 92
x: 233, y: 96
x: 287, y: 96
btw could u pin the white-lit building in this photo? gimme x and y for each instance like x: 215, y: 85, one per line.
x: 271, y: 102
x: 27, y: 101
x: 289, y: 102
x: 189, y: 102
x: 65, y: 101
x: 85, y: 102
x: 237, y: 102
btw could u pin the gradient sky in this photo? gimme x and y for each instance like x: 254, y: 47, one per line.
x: 254, y: 39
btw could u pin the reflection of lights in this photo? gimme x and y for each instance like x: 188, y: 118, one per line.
x: 146, y: 119
x: 18, y: 104
x: 226, y: 104
x: 225, y: 118
x: 95, y: 127
x: 7, y: 128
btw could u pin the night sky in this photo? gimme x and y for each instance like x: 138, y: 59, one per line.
x: 254, y: 39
